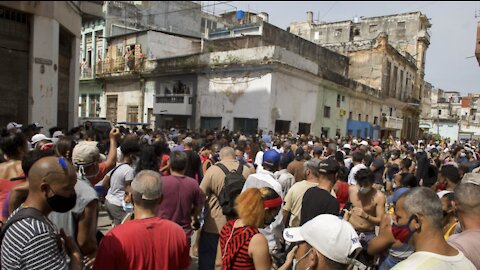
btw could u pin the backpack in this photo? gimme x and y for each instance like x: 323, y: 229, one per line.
x: 233, y: 185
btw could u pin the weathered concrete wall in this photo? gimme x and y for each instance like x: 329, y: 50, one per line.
x: 294, y: 98
x: 236, y: 94
x: 43, y: 86
x: 161, y: 45
x: 129, y: 94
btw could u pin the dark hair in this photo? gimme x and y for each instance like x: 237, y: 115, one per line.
x: 339, y: 156
x: 451, y: 173
x: 364, y: 176
x: 408, y: 180
x: 285, y: 159
x: 147, y: 159
x: 33, y: 156
x: 407, y: 163
x: 178, y: 161
x: 358, y: 156
x: 11, y: 144
x: 130, y: 146
x: 64, y: 147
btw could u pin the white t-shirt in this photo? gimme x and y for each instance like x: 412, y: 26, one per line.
x: 353, y: 171
x: 423, y: 260
x: 123, y: 174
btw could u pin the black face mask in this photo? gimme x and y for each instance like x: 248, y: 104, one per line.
x: 62, y: 204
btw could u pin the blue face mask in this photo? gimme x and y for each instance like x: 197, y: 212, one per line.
x: 127, y: 207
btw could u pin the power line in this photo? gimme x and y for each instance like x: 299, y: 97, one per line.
x: 329, y: 9
x: 187, y: 9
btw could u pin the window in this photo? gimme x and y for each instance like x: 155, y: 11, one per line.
x: 394, y: 82
x: 350, y: 115
x: 356, y: 32
x: 112, y: 101
x: 338, y: 101
x: 366, y: 118
x: 132, y: 114
x: 282, y: 126
x: 387, y: 79
x: 83, y: 106
x: 343, y: 98
x: 326, y: 112
x: 325, y: 132
x: 402, y: 94
x: 246, y: 125
x: 391, y: 111
x: 338, y: 32
x: 375, y: 120
x: 210, y: 123
x: 94, y: 108
x: 439, y: 112
x: 373, y: 28
x: 316, y: 35
x: 359, y: 117
x: 304, y: 128
x: 401, y: 25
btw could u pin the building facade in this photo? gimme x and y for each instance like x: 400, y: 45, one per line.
x: 40, y: 42
x: 399, y: 74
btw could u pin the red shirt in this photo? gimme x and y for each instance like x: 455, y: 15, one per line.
x: 101, y: 173
x: 342, y: 193
x: 147, y: 244
x: 5, y: 187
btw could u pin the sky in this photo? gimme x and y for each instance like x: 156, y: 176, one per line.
x: 449, y: 61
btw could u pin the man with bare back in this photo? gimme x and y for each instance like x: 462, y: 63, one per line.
x: 368, y: 206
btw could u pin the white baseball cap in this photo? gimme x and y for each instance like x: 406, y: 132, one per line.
x: 57, y: 134
x: 330, y: 235
x: 365, y: 143
x: 442, y: 193
x: 347, y: 146
x: 39, y: 137
x: 13, y: 125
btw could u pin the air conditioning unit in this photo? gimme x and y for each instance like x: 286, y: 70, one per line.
x: 342, y: 112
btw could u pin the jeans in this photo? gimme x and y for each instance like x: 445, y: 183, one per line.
x: 207, y: 250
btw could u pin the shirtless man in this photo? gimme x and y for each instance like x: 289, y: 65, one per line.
x: 368, y: 206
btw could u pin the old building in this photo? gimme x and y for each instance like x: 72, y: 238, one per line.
x: 477, y: 44
x: 399, y: 74
x: 39, y: 44
x: 258, y: 76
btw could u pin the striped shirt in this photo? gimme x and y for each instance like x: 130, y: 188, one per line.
x: 234, y: 246
x: 32, y: 244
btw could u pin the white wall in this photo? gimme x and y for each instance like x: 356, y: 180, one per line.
x: 43, y: 88
x: 235, y: 95
x: 296, y: 99
x: 161, y: 45
x: 446, y: 130
x: 128, y: 93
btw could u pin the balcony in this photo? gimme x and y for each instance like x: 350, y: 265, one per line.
x: 110, y: 66
x: 86, y: 73
x: 393, y: 123
x: 424, y: 34
x: 173, y: 105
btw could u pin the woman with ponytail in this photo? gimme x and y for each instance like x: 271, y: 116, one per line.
x: 241, y: 245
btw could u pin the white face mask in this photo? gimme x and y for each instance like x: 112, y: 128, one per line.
x: 127, y: 207
x: 463, y: 155
x: 295, y: 261
x: 365, y: 190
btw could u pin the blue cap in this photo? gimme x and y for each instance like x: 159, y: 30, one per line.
x: 267, y: 139
x: 396, y: 195
x: 271, y: 158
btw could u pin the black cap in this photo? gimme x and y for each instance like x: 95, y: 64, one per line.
x: 328, y: 166
x: 299, y: 153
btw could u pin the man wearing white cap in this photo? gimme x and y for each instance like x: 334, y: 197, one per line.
x: 326, y: 242
x: 39, y: 140
x: 13, y: 127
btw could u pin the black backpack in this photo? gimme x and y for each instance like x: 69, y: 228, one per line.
x: 233, y: 185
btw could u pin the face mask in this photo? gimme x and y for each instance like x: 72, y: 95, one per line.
x: 81, y: 170
x: 127, y: 207
x: 394, y: 186
x: 295, y: 261
x: 62, y: 204
x: 463, y: 155
x: 393, y: 157
x: 402, y: 233
x: 365, y: 190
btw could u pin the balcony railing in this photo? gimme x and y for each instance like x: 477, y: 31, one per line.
x: 86, y: 73
x: 393, y: 122
x: 119, y: 66
x: 176, y: 105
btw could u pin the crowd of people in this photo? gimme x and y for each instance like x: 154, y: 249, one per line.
x: 235, y: 200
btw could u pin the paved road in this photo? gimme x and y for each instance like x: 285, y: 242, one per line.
x: 105, y: 224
